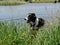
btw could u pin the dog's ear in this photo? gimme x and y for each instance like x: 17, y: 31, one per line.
x: 32, y: 14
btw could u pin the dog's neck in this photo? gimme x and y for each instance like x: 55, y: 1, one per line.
x: 36, y: 22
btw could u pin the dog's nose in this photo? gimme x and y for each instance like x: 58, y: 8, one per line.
x: 24, y: 18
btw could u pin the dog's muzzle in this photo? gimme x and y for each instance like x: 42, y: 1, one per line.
x: 26, y: 20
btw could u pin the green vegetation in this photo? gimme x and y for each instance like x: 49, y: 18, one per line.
x: 18, y: 2
x: 12, y: 2
x: 12, y: 34
x: 43, y: 1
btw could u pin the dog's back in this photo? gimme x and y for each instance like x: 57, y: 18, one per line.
x: 40, y: 22
x: 39, y: 25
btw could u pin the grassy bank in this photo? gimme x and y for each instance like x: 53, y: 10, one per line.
x: 12, y: 2
x: 10, y: 34
x: 42, y: 1
x: 23, y: 2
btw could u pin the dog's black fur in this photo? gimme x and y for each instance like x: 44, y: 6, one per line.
x: 32, y: 20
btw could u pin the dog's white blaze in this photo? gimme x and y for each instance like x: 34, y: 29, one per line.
x: 37, y: 21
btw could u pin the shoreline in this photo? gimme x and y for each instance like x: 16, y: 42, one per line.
x: 12, y: 3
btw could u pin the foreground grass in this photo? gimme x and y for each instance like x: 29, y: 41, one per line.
x: 5, y: 3
x: 10, y: 34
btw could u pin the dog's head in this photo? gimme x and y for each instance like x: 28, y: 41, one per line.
x: 31, y: 18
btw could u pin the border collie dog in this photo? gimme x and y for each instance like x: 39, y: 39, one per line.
x: 35, y: 23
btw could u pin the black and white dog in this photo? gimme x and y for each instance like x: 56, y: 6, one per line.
x: 35, y: 23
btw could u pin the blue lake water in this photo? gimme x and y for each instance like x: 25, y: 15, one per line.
x: 46, y: 11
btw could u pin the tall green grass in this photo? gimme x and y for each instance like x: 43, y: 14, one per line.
x: 14, y: 34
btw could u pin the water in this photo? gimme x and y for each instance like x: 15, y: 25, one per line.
x: 44, y: 10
